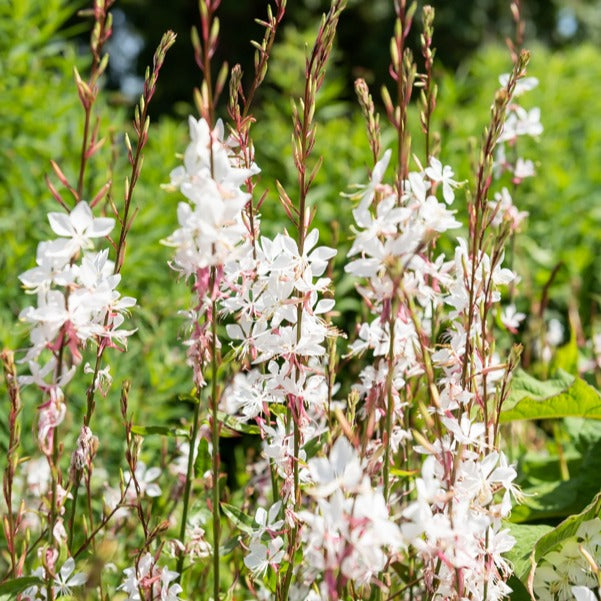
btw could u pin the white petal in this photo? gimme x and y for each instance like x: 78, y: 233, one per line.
x: 152, y: 474
x: 81, y: 216
x: 311, y: 239
x: 100, y: 227
x: 60, y: 224
x: 153, y: 490
x: 78, y: 579
x: 67, y: 569
x: 582, y: 593
x: 324, y: 305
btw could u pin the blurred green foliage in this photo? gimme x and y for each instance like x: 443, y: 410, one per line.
x: 37, y: 105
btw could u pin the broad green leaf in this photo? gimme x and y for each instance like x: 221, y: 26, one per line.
x: 567, y: 529
x: 562, y: 396
x: 583, y: 432
x: 552, y: 499
x: 202, y: 463
x: 238, y: 518
x: 547, y: 500
x: 18, y: 585
x: 526, y: 536
x: 162, y: 430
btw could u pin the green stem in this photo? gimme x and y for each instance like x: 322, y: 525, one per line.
x: 188, y: 486
x: 215, y: 454
x: 84, y: 149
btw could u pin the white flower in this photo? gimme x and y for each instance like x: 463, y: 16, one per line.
x: 65, y: 579
x: 79, y: 226
x: 376, y: 179
x: 341, y: 470
x: 522, y: 85
x: 268, y: 522
x: 147, y: 576
x: 511, y: 318
x: 442, y: 174
x: 261, y: 556
x: 145, y: 478
x: 521, y: 122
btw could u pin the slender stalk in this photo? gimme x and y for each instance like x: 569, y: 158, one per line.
x: 189, y: 473
x: 141, y: 126
x: 215, y: 455
x: 12, y: 459
x: 84, y: 151
x: 477, y: 208
x: 303, y: 143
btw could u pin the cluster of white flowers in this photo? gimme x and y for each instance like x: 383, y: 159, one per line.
x: 266, y: 545
x: 276, y: 294
x: 349, y: 536
x: 571, y: 570
x: 274, y: 290
x: 463, y: 476
x: 151, y: 580
x: 63, y: 583
x: 211, y: 226
x: 392, y: 242
x: 465, y: 486
x: 77, y: 302
x: 518, y: 122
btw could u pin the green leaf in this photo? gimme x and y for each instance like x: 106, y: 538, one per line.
x: 162, y: 430
x: 562, y: 396
x: 229, y: 546
x: 567, y: 529
x: 548, y: 499
x: 233, y: 424
x: 526, y: 536
x: 18, y: 585
x: 518, y: 591
x: 583, y: 432
x: 202, y: 462
x: 238, y: 518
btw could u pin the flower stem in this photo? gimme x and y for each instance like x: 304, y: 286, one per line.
x: 188, y: 486
x: 215, y: 444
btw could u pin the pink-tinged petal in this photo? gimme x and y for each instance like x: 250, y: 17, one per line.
x: 81, y: 217
x: 100, y: 227
x: 60, y: 224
